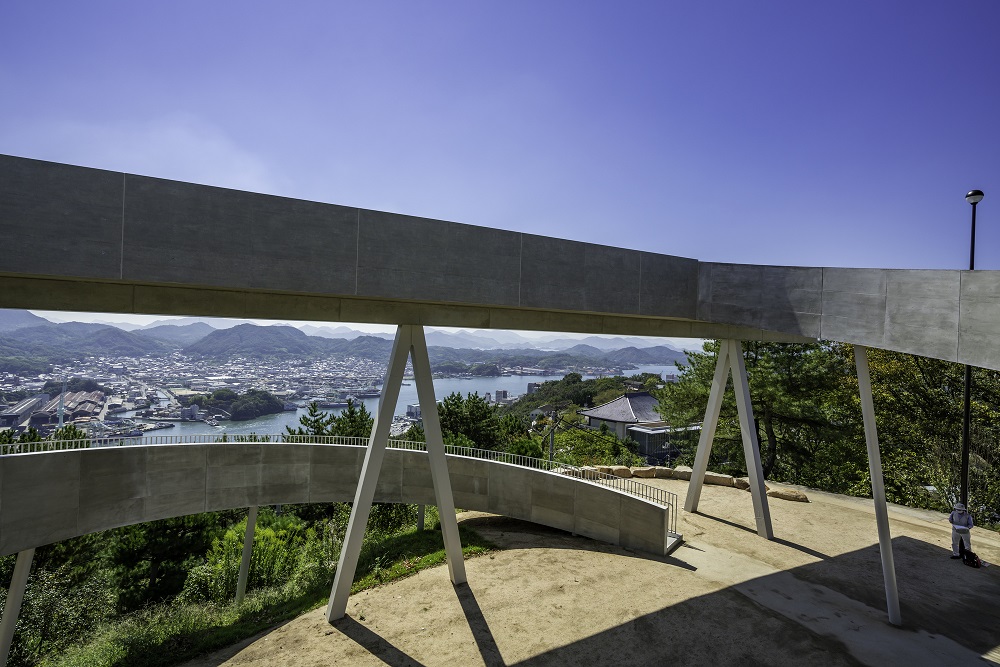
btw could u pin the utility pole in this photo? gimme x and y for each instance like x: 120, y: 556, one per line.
x: 552, y: 435
x: 62, y: 399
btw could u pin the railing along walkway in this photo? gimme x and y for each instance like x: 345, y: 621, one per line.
x: 631, y: 487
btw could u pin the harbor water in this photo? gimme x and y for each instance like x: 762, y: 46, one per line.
x: 515, y: 385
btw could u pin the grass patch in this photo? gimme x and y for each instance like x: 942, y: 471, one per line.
x: 407, y: 553
x: 167, y: 634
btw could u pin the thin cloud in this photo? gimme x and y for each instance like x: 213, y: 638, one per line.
x: 178, y: 146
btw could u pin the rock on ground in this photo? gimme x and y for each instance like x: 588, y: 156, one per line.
x: 785, y: 493
x: 682, y: 472
x: 719, y: 479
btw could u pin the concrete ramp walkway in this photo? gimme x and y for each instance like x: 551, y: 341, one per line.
x: 55, y: 495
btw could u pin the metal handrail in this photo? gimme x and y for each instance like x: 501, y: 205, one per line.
x: 628, y: 486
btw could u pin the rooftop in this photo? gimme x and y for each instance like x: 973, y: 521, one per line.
x: 631, y: 408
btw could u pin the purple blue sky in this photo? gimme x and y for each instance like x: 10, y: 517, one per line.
x: 786, y: 132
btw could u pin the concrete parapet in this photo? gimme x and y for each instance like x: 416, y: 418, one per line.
x: 52, y: 496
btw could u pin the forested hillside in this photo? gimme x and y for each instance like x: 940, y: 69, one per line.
x: 805, y: 400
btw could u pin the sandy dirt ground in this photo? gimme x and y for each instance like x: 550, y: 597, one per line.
x: 812, y: 596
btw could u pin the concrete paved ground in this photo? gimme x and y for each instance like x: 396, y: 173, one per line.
x: 812, y: 596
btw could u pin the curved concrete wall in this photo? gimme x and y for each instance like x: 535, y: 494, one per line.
x: 47, y: 497
x: 92, y: 240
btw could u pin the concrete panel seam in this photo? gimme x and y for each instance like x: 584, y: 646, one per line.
x: 121, y: 257
x: 357, y: 249
x: 520, y: 263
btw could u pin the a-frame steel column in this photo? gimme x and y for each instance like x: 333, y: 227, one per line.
x: 708, y: 426
x: 878, y: 484
x: 435, y: 454
x: 751, y: 450
x: 241, y: 582
x: 377, y: 443
x: 15, y: 594
x: 730, y: 359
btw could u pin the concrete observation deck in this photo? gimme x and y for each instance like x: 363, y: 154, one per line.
x: 93, y: 240
x: 46, y: 497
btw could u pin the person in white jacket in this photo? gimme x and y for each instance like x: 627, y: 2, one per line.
x: 961, y: 525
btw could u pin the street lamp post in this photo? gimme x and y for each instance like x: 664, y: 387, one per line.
x: 973, y: 197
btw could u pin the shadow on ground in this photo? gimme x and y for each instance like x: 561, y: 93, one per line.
x: 939, y: 596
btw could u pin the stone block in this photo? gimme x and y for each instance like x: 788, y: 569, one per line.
x: 784, y: 493
x: 645, y: 472
x: 719, y: 479
x: 682, y: 472
x: 662, y: 472
x: 621, y: 471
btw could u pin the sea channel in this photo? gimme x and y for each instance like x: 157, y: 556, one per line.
x: 515, y: 385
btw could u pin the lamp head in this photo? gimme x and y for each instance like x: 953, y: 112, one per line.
x: 974, y: 196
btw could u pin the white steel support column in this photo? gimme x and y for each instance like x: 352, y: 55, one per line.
x: 435, y: 454
x: 11, y: 609
x: 751, y: 449
x: 374, y: 455
x: 241, y: 583
x: 878, y: 484
x: 730, y: 359
x: 409, y: 338
x: 708, y: 426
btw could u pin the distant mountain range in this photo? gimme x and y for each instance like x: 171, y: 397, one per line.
x: 27, y: 338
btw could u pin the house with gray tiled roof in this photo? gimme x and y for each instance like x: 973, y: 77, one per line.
x: 634, y: 408
x: 634, y: 415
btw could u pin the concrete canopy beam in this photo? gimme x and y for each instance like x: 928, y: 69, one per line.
x: 153, y: 246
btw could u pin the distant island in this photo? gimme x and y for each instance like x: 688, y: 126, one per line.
x: 240, y: 407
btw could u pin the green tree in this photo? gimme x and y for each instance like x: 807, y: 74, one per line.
x: 354, y: 421
x: 798, y: 393
x: 314, y: 422
x: 152, y: 559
